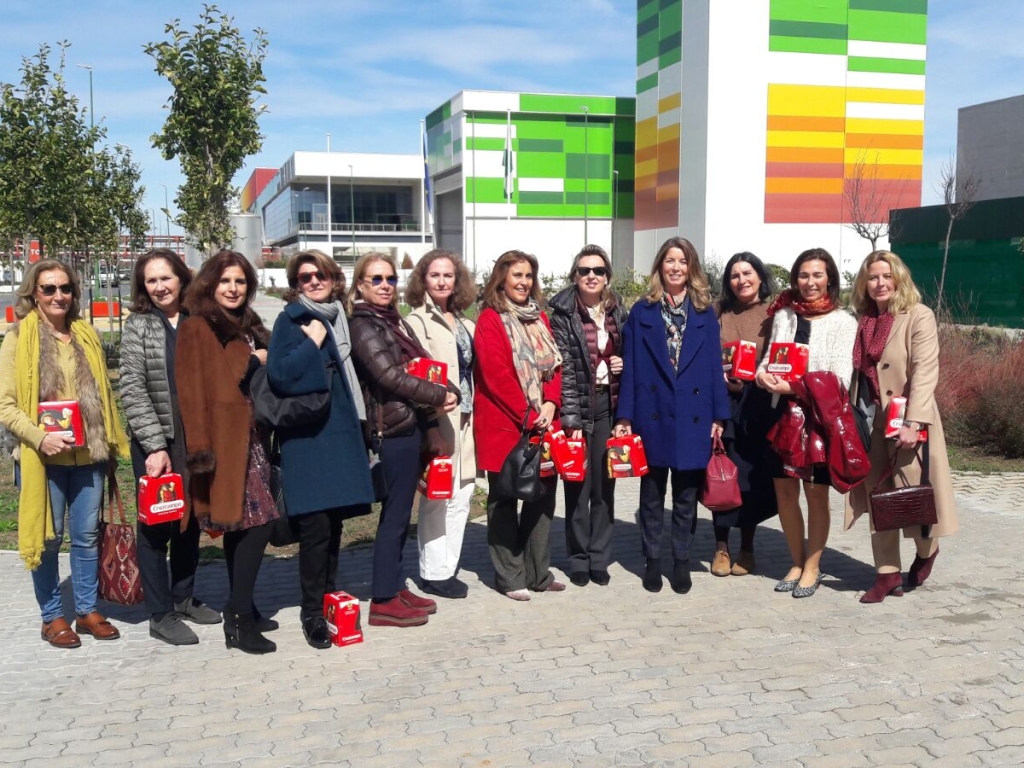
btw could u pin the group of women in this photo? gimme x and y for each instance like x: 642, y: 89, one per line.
x: 193, y: 347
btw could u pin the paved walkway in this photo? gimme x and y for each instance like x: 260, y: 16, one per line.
x: 730, y: 675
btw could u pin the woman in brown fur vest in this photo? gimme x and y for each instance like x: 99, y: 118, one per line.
x: 56, y: 399
x: 220, y: 345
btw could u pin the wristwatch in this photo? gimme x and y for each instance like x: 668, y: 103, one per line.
x: 915, y: 424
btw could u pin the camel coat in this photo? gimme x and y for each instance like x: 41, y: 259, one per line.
x: 909, y: 367
x: 434, y: 334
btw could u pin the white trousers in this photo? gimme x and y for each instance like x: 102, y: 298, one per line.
x: 441, y: 528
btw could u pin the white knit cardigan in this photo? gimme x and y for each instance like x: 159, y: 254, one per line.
x: 832, y: 339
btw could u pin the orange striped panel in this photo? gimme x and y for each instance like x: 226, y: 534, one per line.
x: 802, y: 209
x: 910, y: 172
x: 803, y: 186
x: 884, y: 141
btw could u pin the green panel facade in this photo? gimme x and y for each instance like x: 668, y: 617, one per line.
x: 826, y: 26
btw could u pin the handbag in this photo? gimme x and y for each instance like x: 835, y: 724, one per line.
x: 864, y: 412
x: 721, y: 491
x: 282, y: 533
x: 904, y: 507
x: 378, y: 473
x: 519, y: 477
x: 120, y: 580
x: 292, y: 411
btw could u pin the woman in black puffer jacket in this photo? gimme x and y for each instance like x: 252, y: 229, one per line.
x: 382, y: 345
x: 586, y: 321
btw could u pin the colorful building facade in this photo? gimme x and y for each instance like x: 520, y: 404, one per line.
x: 771, y: 129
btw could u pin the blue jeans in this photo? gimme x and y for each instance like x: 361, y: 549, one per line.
x: 75, y: 492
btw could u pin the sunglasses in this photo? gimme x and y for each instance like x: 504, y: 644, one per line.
x: 51, y: 290
x: 378, y: 279
x: 306, y: 277
x: 598, y: 271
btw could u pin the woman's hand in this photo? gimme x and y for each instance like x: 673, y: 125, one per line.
x: 575, y: 434
x: 435, y: 443
x: 733, y: 385
x: 622, y: 428
x: 615, y: 364
x: 261, y: 355
x: 716, y: 429
x: 908, y: 437
x: 158, y: 463
x: 774, y: 384
x: 547, y: 415
x: 451, y: 402
x: 316, y: 331
x: 53, y: 444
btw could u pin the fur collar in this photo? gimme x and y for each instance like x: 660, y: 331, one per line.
x: 51, y: 383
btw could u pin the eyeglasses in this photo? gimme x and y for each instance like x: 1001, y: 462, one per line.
x: 306, y: 277
x: 378, y: 279
x: 598, y: 271
x: 51, y: 290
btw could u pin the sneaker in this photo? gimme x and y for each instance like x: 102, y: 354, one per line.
x: 413, y: 600
x: 396, y: 613
x: 172, y: 630
x: 195, y: 611
x: 450, y: 588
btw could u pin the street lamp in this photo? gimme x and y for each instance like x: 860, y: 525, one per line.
x: 352, y: 207
x: 330, y: 243
x: 586, y: 176
x: 167, y: 214
x: 92, y: 112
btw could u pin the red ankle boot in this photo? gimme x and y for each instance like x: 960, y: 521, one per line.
x: 921, y: 569
x: 885, y: 584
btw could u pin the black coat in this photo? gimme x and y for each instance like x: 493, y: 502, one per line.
x: 577, y: 411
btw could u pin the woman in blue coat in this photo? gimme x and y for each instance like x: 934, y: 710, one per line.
x: 673, y: 395
x: 325, y: 473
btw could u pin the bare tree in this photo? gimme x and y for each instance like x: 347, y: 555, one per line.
x: 958, y: 197
x: 869, y: 198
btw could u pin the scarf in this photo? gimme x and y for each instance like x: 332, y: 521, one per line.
x: 606, y: 320
x: 534, y: 353
x: 791, y: 298
x: 35, y: 515
x: 331, y: 314
x: 410, y: 347
x: 872, y: 334
x: 674, y: 317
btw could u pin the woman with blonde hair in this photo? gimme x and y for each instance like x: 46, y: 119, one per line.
x: 403, y: 407
x: 440, y: 289
x: 896, y: 354
x: 52, y: 354
x: 587, y: 320
x: 673, y: 395
x: 518, y: 382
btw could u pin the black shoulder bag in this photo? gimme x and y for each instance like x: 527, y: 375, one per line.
x: 520, y: 474
x: 278, y: 412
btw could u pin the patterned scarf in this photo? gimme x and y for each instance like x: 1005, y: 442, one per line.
x: 674, y: 316
x: 872, y: 334
x: 534, y: 353
x: 791, y: 298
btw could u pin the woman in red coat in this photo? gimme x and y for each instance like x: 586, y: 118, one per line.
x: 517, y: 376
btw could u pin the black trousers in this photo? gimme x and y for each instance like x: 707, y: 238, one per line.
x: 685, y: 486
x: 319, y: 535
x: 154, y: 542
x: 590, y: 505
x: 401, y: 457
x: 520, y: 541
x: 243, y: 552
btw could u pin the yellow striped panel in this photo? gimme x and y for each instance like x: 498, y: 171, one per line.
x: 647, y: 168
x: 814, y: 100
x: 811, y: 139
x: 647, y: 132
x: 882, y: 127
x: 671, y: 101
x: 885, y: 156
x: 885, y: 96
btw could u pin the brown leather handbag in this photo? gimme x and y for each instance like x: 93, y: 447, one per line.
x: 120, y: 579
x: 904, y: 507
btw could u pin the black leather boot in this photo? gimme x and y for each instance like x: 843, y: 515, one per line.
x: 652, y: 574
x: 240, y: 632
x: 263, y: 624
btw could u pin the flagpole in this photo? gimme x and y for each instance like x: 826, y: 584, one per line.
x: 424, y: 211
x: 508, y: 169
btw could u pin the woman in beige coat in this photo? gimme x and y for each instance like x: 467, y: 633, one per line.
x: 440, y: 288
x: 897, y: 355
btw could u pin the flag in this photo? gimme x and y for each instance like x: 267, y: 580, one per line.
x: 508, y: 161
x: 426, y: 173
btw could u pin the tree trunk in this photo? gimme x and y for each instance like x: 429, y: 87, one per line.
x: 945, y: 259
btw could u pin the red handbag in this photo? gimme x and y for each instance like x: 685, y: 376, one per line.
x: 119, y: 576
x: 721, y: 491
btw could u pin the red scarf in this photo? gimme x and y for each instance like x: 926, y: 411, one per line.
x: 407, y: 342
x: 791, y: 298
x: 872, y: 334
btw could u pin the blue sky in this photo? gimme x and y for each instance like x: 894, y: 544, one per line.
x: 367, y: 71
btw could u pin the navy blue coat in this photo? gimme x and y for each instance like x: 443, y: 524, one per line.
x: 672, y: 411
x: 323, y: 465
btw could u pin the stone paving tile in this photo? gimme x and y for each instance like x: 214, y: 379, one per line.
x: 731, y: 674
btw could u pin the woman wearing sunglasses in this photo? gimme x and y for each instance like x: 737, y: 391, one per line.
x: 586, y: 321
x: 52, y: 354
x: 402, y: 407
x: 311, y: 351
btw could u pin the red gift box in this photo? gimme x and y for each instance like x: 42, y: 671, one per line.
x: 895, y: 416
x: 437, y: 479
x: 626, y: 457
x: 62, y: 417
x: 788, y: 360
x: 739, y: 360
x: 161, y: 499
x: 431, y: 370
x: 547, y: 461
x: 570, y: 456
x: 342, y: 613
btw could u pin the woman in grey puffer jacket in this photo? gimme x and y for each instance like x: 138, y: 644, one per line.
x: 150, y: 400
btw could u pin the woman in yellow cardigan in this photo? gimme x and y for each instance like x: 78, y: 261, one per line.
x: 54, y: 355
